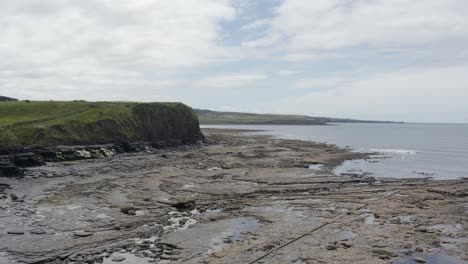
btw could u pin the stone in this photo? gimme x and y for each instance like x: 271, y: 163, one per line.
x: 118, y: 258
x: 421, y: 229
x: 14, y: 197
x: 38, y: 232
x: 419, y: 249
x: 83, y: 234
x: 419, y: 260
x: 164, y: 256
x: 128, y: 209
x: 380, y: 244
x: 330, y: 247
x: 384, y: 252
x: 131, y: 212
x: 346, y: 244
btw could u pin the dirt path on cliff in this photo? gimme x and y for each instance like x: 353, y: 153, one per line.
x: 235, y: 199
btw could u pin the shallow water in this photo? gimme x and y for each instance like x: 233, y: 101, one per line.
x: 432, y: 259
x: 439, y: 151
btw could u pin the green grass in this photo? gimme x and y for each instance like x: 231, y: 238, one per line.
x: 52, y: 123
x: 208, y: 117
x: 213, y: 117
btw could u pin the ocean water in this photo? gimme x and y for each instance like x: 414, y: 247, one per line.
x: 439, y: 151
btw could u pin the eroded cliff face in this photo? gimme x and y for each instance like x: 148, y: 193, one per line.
x: 104, y: 123
x: 99, y: 132
x: 158, y: 123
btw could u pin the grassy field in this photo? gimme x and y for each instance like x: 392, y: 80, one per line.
x: 51, y: 123
x: 208, y: 117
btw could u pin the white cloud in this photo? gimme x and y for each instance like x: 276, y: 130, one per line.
x: 230, y: 80
x: 434, y: 94
x: 69, y: 45
x: 308, y: 29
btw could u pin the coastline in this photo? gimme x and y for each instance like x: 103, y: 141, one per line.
x: 246, y: 198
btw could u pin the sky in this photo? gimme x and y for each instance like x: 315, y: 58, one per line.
x: 401, y: 60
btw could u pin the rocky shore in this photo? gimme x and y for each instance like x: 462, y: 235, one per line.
x: 236, y: 198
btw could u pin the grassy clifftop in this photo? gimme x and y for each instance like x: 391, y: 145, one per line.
x: 208, y: 117
x: 73, y: 123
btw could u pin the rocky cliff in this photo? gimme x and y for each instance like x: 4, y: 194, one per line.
x: 31, y: 133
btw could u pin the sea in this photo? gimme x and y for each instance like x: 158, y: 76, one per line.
x: 436, y: 151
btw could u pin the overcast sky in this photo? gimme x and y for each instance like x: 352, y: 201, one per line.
x: 403, y: 60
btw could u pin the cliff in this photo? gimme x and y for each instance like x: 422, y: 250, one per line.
x: 39, y: 124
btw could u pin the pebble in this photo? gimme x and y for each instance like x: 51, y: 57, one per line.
x: 330, y: 247
x: 131, y: 212
x: 419, y: 260
x: 347, y: 244
x: 14, y: 197
x: 118, y: 258
x: 127, y: 209
x: 419, y: 249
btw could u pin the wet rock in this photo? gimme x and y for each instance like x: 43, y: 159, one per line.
x: 384, y: 252
x: 129, y: 210
x: 117, y: 227
x: 16, y: 232
x: 118, y: 258
x: 82, y: 234
x: 419, y: 260
x: 13, y: 197
x: 28, y: 159
x: 419, y: 249
x: 345, y: 244
x: 422, y: 229
x: 38, y: 232
x: 165, y: 256
x: 8, y: 169
x: 184, y: 204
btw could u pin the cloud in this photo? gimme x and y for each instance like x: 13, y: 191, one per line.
x: 433, y: 94
x: 309, y: 29
x: 260, y: 23
x: 359, y: 58
x: 67, y: 45
x: 230, y: 80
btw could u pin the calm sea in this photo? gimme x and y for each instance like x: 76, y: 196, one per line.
x: 405, y: 150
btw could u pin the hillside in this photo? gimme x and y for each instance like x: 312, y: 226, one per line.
x: 72, y: 123
x: 208, y: 117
